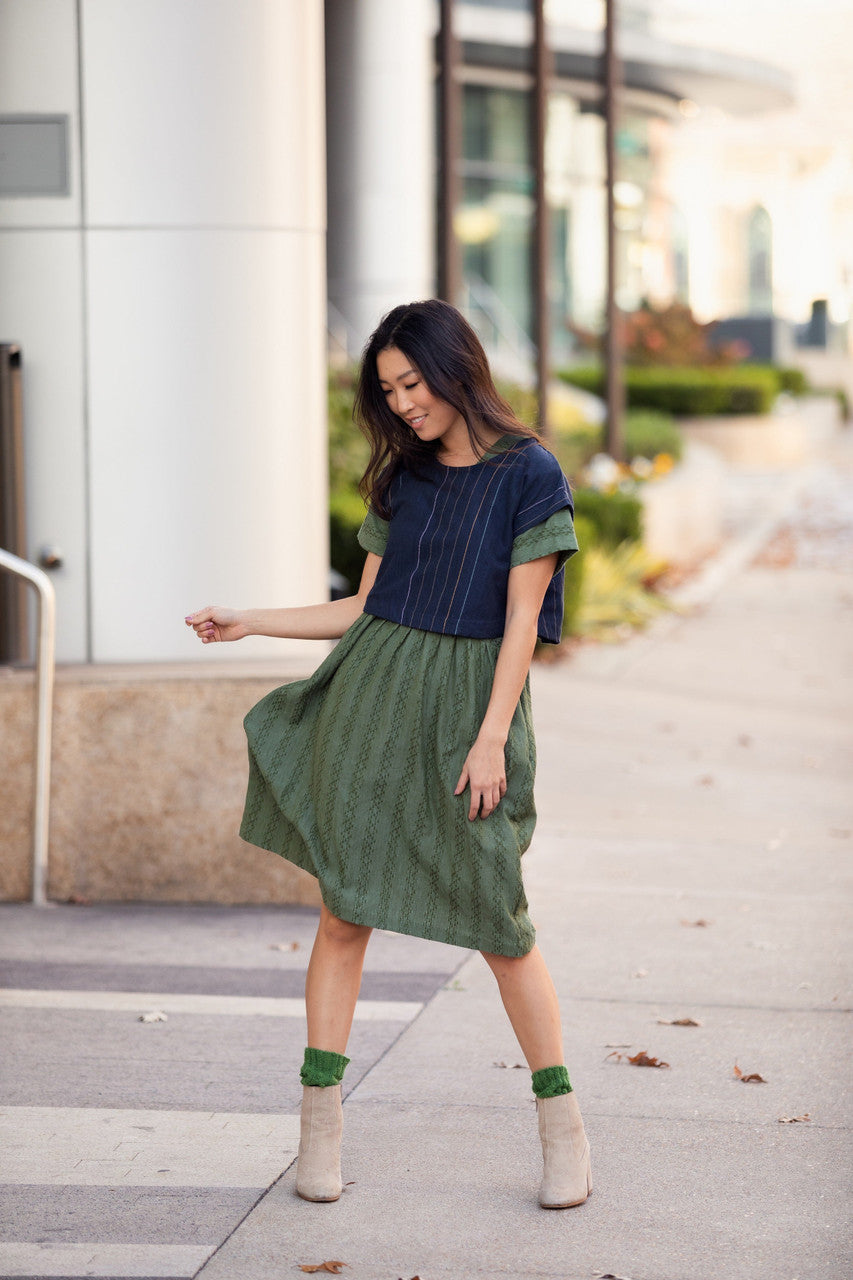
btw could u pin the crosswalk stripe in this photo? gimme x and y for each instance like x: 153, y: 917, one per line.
x: 239, y: 1006
x: 172, y: 1260
x: 94, y: 1146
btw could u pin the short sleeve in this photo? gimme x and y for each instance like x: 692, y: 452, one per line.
x: 557, y: 533
x: 373, y: 534
x: 545, y: 491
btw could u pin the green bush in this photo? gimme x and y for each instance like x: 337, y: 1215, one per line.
x: 346, y: 512
x: 348, y: 449
x: 649, y: 432
x: 585, y: 531
x: 791, y: 380
x: 688, y: 391
x: 614, y: 517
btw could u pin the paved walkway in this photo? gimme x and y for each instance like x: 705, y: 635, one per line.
x: 691, y: 862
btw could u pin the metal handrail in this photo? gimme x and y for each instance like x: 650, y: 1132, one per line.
x: 45, y: 667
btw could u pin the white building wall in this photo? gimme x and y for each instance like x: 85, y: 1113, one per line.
x: 381, y: 106
x: 200, y: 311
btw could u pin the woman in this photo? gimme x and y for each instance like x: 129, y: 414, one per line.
x: 401, y: 773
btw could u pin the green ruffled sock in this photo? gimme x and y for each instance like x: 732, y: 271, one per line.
x: 322, y: 1069
x: 550, y: 1082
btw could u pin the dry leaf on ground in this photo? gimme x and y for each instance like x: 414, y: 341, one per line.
x: 156, y: 1016
x: 641, y: 1059
x: 678, y: 1022
x: 751, y: 1078
x: 511, y: 1066
x: 803, y: 1119
x: 697, y: 924
x: 284, y: 946
x: 333, y: 1268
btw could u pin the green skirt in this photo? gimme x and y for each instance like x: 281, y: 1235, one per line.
x: 351, y: 777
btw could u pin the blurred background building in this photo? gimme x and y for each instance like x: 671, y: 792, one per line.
x: 169, y: 273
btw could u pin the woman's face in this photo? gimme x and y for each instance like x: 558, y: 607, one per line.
x: 409, y: 397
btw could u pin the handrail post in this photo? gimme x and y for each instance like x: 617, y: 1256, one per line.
x: 45, y: 667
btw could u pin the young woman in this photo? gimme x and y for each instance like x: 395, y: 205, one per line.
x: 401, y: 773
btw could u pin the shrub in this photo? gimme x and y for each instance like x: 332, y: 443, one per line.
x: 649, y: 432
x: 348, y: 449
x: 688, y: 392
x: 614, y: 517
x: 792, y: 380
x: 346, y: 512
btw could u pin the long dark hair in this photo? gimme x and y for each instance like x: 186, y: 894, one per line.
x: 450, y: 359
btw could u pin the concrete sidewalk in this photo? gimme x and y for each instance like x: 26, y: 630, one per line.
x: 691, y: 861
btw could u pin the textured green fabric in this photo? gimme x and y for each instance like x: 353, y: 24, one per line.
x: 557, y: 533
x: 373, y: 534
x: 550, y: 1082
x: 321, y: 1069
x: 352, y: 773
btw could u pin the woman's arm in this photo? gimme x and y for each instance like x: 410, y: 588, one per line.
x: 484, y: 770
x: 326, y: 621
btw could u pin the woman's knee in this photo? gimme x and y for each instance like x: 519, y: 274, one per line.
x: 342, y: 932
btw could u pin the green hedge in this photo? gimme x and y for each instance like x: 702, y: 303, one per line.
x: 649, y: 432
x: 614, y: 517
x: 689, y: 392
x: 346, y: 512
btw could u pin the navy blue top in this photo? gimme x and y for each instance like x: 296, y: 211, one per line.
x: 455, y: 532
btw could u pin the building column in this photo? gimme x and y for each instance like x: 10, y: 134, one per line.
x: 380, y: 102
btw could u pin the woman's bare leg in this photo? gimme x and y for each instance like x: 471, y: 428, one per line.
x: 334, y: 980
x: 530, y: 1000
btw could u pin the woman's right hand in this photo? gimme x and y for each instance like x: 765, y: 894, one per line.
x: 216, y: 624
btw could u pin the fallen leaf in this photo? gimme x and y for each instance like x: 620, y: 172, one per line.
x: 795, y: 1119
x: 155, y: 1016
x: 640, y: 1059
x: 707, y: 780
x: 745, y: 739
x: 640, y: 973
x: 609, y: 1275
x: 79, y: 900
x: 678, y: 1022
x: 752, y: 1078
x: 334, y: 1268
x: 617, y: 1046
x: 697, y: 924
x: 511, y: 1066
x: 284, y: 946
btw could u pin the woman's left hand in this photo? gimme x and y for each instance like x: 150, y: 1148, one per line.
x: 484, y: 771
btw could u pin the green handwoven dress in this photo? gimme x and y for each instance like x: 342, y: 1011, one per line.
x: 352, y: 774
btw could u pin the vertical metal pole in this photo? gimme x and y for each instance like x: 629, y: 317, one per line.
x: 450, y: 121
x: 615, y: 389
x: 541, y: 238
x: 46, y: 661
x: 14, y: 633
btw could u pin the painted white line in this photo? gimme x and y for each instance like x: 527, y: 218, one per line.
x: 20, y: 1259
x: 234, y: 1006
x: 98, y: 1147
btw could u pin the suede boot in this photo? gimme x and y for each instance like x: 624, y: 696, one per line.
x: 318, y: 1168
x: 567, y: 1179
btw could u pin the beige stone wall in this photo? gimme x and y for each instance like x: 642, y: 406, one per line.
x: 149, y: 773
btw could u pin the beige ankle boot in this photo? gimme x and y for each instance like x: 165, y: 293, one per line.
x: 568, y: 1176
x: 318, y: 1167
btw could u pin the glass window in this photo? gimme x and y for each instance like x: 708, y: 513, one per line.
x: 495, y: 222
